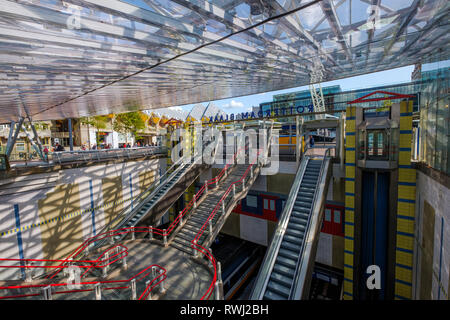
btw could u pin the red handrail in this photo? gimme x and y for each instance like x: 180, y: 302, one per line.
x: 194, y: 245
x: 154, y: 230
x: 161, y: 277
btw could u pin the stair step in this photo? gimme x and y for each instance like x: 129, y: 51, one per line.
x: 181, y: 247
x: 288, y: 254
x: 287, y: 262
x: 269, y: 295
x: 283, y: 280
x: 292, y: 239
x: 290, y: 246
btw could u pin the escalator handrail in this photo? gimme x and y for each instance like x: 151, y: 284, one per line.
x: 147, y: 192
x: 300, y: 274
x: 272, y: 252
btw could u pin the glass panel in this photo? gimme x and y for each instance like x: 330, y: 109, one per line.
x: 252, y: 201
x: 328, y: 215
x: 370, y: 137
x: 337, y: 216
x: 266, y: 204
x: 272, y: 205
x: 380, y: 142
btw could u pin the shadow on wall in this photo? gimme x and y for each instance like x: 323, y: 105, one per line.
x: 57, y: 223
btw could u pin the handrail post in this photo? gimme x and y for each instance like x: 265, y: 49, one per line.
x: 133, y: 237
x: 223, y: 206
x: 251, y: 172
x: 217, y: 182
x: 206, y: 186
x: 124, y: 262
x: 210, y: 226
x: 28, y: 275
x: 194, y: 249
x: 150, y: 232
x: 98, y: 291
x: 219, y: 271
x: 111, y: 240
x: 165, y: 237
x: 106, y: 267
x: 219, y: 279
x: 217, y: 291
x: 195, y: 202
x: 161, y: 284
x: 133, y: 289
x: 181, y: 218
x: 147, y: 285
x: 210, y: 263
x: 234, y: 190
x: 243, y: 184
x: 47, y: 293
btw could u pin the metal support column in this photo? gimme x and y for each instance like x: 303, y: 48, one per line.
x: 70, y: 134
x: 14, y: 138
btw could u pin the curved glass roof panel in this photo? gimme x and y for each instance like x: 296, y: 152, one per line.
x: 74, y: 58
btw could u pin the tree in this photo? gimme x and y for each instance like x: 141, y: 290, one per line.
x: 98, y: 122
x: 130, y: 122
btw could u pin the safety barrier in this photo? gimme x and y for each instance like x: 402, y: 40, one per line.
x: 104, y: 154
x: 47, y: 290
x: 164, y: 233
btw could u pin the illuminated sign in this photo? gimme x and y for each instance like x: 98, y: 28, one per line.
x: 277, y: 112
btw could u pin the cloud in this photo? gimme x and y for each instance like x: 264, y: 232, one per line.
x: 233, y: 104
x: 176, y: 108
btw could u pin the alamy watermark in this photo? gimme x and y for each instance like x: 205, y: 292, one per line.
x: 213, y: 146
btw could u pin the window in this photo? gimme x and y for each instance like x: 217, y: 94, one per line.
x: 20, y: 146
x: 328, y: 215
x: 337, y: 216
x: 252, y: 201
x: 266, y: 204
x: 272, y: 205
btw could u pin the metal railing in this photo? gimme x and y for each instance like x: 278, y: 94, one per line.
x: 272, y: 252
x: 311, y: 227
x: 83, y: 249
x: 105, y: 154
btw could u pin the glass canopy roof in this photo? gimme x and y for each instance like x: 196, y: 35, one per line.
x: 75, y: 58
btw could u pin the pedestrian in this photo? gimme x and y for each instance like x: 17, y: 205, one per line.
x: 59, y: 148
x: 311, y: 141
x: 45, y: 154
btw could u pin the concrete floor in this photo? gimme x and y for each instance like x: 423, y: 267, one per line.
x: 186, y: 279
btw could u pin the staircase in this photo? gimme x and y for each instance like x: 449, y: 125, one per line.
x: 199, y: 216
x: 288, y: 260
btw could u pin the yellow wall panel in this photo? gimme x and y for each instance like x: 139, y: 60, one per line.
x: 349, y: 231
x: 350, y: 141
x: 349, y: 245
x: 407, y: 175
x: 60, y: 238
x: 404, y: 225
x: 350, y: 201
x: 350, y: 186
x: 349, y: 172
x: 407, y: 192
x: 405, y: 242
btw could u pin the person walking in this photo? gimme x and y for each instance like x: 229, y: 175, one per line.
x: 45, y: 153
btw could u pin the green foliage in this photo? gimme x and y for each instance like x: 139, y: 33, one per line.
x: 98, y: 122
x: 130, y: 122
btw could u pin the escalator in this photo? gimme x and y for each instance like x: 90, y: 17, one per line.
x: 287, y: 266
x: 151, y: 204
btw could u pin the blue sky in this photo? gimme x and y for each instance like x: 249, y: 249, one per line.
x: 240, y: 104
